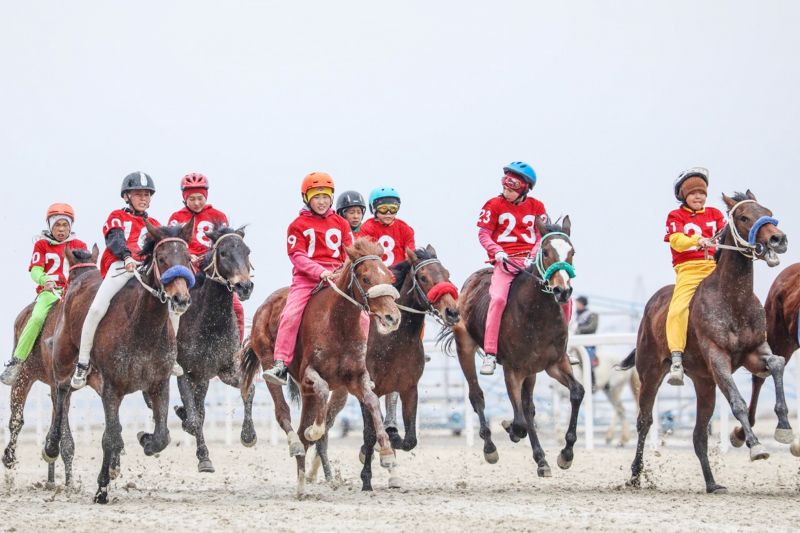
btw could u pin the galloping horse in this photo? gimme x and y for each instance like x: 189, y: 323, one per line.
x: 208, y: 336
x: 331, y: 348
x: 726, y: 331
x: 533, y: 337
x: 396, y: 361
x: 783, y: 314
x: 134, y: 347
x: 37, y: 368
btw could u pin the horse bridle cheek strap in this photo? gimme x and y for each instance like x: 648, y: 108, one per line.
x: 214, y: 275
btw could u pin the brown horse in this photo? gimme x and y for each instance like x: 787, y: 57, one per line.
x: 134, y: 347
x: 37, y: 368
x: 726, y: 331
x: 783, y: 312
x: 533, y: 338
x: 395, y: 362
x: 331, y: 348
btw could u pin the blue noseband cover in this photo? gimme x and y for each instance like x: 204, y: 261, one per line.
x: 178, y: 271
x: 760, y: 223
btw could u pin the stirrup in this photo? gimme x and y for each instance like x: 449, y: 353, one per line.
x: 489, y: 364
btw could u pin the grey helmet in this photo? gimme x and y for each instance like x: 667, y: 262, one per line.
x: 137, y: 181
x: 350, y: 199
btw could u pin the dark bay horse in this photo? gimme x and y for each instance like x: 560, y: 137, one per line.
x: 37, y: 367
x: 208, y: 336
x: 395, y: 362
x: 783, y: 313
x: 134, y: 346
x: 726, y: 331
x: 533, y: 338
x: 331, y: 348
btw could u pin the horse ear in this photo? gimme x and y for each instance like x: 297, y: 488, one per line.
x: 351, y: 252
x: 411, y: 255
x: 431, y: 250
x: 566, y: 225
x: 750, y: 195
x: 95, y: 253
x: 240, y: 231
x: 730, y: 202
x: 151, y: 229
x: 540, y: 227
x: 187, y: 232
x: 70, y: 257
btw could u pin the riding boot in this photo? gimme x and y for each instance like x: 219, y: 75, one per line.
x: 78, y: 380
x: 676, y: 370
x: 11, y: 372
x: 489, y: 364
x: 277, y: 374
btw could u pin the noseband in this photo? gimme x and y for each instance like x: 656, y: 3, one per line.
x: 215, y: 275
x: 749, y: 247
x: 175, y: 271
x: 548, y: 273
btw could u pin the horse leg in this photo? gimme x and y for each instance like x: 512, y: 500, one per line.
x: 188, y: 411
x: 152, y: 443
x: 650, y: 382
x: 67, y: 445
x: 19, y: 394
x: 112, y: 443
x: 390, y: 420
x: 529, y: 412
x: 618, y: 415
x: 283, y: 415
x: 737, y: 435
x: 706, y: 399
x: 368, y: 448
x: 204, y: 464
x: 336, y: 403
x: 362, y: 390
x: 775, y: 365
x: 317, y: 387
x: 562, y: 372
x: 466, y: 346
x: 307, y: 416
x: 721, y: 369
x: 248, y: 436
x: 517, y: 428
x: 53, y: 439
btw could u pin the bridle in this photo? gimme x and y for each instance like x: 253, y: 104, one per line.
x: 171, y: 273
x: 213, y: 266
x: 749, y: 247
x: 427, y: 301
x: 376, y: 291
x: 538, y: 261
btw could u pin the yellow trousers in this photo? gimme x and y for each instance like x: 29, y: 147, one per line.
x: 688, y: 277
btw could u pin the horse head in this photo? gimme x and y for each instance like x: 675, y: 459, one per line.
x: 554, y: 258
x: 753, y: 229
x: 373, y: 284
x: 166, y: 255
x: 432, y: 280
x: 228, y: 260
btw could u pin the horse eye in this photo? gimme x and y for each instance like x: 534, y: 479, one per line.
x: 223, y: 254
x: 744, y: 218
x: 365, y: 279
x: 545, y: 253
x: 423, y: 279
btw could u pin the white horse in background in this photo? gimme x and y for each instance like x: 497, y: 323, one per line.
x: 612, y: 382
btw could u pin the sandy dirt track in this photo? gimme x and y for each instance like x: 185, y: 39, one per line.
x: 447, y: 488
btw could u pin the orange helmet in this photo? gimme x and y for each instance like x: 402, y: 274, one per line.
x: 316, y: 179
x: 60, y: 209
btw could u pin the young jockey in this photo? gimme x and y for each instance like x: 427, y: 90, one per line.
x: 690, y: 229
x: 385, y: 228
x: 351, y: 207
x: 194, y: 188
x: 49, y: 271
x: 508, y: 233
x: 316, y: 242
x: 124, y: 232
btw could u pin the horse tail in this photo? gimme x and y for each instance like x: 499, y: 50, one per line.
x: 629, y: 362
x: 294, y: 391
x: 249, y: 365
x: 445, y: 339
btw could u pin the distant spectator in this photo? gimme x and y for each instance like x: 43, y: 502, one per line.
x: 586, y: 324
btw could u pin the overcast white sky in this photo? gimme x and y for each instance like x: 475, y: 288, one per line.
x: 607, y: 100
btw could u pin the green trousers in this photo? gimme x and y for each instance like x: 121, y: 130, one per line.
x: 44, y: 302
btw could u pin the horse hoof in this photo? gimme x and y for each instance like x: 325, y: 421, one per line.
x: 101, y: 496
x: 395, y: 482
x: 736, y: 442
x: 784, y: 436
x: 717, y: 489
x: 544, y: 471
x: 795, y: 448
x: 388, y: 459
x: 204, y: 466
x: 562, y: 463
x: 296, y: 449
x: 758, y: 452
x: 314, y: 433
x: 9, y: 460
x: 491, y: 457
x: 47, y: 458
x: 248, y: 443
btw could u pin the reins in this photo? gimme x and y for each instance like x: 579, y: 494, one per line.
x: 545, y: 273
x: 747, y: 247
x: 383, y: 289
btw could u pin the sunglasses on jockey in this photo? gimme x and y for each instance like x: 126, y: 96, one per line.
x: 388, y: 209
x: 516, y: 184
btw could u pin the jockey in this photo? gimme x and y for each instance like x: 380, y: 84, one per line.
x: 194, y: 188
x: 351, y: 207
x: 49, y: 271
x: 385, y: 228
x: 125, y: 233
x: 508, y: 233
x: 316, y: 242
x: 690, y: 230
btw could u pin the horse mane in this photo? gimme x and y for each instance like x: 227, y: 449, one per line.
x: 365, y: 246
x: 164, y: 232
x: 739, y: 197
x: 220, y: 229
x: 401, y: 270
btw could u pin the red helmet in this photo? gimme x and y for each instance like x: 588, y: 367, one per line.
x: 195, y: 180
x: 60, y: 209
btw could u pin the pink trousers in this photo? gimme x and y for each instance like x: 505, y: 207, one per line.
x: 239, y: 312
x: 498, y: 297
x: 292, y: 316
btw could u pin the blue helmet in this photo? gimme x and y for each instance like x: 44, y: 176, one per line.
x: 383, y: 195
x: 523, y: 170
